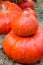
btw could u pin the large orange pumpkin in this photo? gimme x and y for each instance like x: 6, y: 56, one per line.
x: 24, y: 24
x: 24, y: 49
x: 8, y: 11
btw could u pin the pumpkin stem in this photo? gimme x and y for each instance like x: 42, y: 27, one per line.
x: 4, y: 9
x: 26, y: 13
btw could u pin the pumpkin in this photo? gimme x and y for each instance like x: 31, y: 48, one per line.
x: 8, y: 11
x: 20, y: 1
x: 24, y: 49
x: 26, y: 4
x: 30, y: 11
x: 24, y: 24
x: 11, y: 6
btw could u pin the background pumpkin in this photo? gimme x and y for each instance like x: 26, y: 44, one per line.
x: 24, y: 24
x: 24, y: 49
x: 26, y: 4
x: 8, y: 11
x: 20, y: 1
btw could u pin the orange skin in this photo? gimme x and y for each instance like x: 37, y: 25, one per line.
x: 24, y: 24
x: 30, y: 11
x: 11, y: 6
x: 8, y: 11
x: 26, y: 4
x: 24, y: 49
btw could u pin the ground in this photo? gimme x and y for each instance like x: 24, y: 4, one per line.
x: 4, y: 60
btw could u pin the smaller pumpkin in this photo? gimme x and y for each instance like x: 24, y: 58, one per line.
x: 30, y: 11
x: 26, y: 4
x: 24, y: 24
x: 24, y: 49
